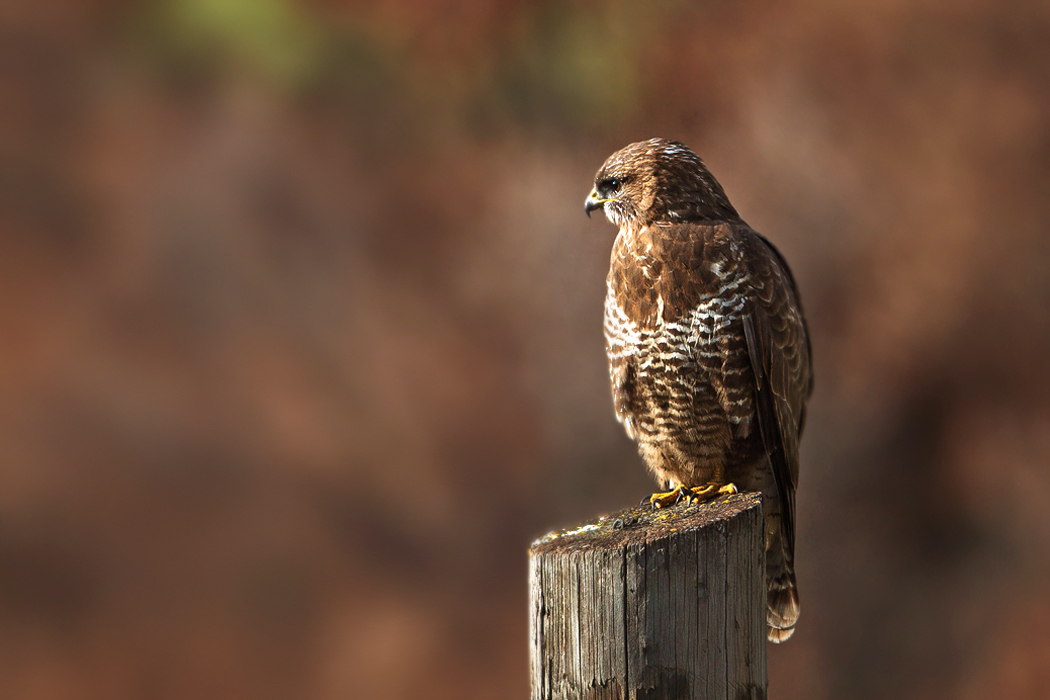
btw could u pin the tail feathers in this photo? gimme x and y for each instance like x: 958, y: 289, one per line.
x: 781, y: 606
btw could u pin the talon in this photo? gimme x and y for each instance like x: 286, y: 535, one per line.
x: 709, y: 492
x: 701, y: 493
x: 694, y: 494
x: 668, y: 498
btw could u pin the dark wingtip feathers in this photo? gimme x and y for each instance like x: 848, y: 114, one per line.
x: 781, y: 607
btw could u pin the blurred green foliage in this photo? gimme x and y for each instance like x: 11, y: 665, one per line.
x: 575, y: 67
x: 275, y: 38
x: 581, y: 65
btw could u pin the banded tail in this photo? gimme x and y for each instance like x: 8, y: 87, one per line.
x: 781, y: 606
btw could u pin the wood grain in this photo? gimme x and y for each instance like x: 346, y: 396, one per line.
x: 652, y: 605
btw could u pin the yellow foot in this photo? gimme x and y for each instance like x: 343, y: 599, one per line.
x: 696, y: 494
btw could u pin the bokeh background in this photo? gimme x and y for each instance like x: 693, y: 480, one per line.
x: 300, y: 331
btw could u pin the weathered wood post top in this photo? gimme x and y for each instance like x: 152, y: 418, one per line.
x: 647, y: 604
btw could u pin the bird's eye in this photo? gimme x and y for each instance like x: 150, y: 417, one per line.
x: 610, y: 186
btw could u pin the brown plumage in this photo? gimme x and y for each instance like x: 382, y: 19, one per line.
x: 708, y: 348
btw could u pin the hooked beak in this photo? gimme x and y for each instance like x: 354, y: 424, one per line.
x: 594, y: 201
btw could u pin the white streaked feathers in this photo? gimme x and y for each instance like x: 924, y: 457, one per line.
x: 672, y: 355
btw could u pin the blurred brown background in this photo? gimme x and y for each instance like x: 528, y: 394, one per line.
x: 300, y: 331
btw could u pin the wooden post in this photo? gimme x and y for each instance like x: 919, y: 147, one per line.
x: 649, y: 604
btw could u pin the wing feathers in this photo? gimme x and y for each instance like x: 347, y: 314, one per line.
x: 778, y: 345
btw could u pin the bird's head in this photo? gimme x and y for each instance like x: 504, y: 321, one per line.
x: 657, y: 181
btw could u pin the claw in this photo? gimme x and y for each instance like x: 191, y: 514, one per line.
x: 728, y: 489
x: 669, y: 498
x: 695, y: 494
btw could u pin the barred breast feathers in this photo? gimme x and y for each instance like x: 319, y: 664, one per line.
x: 680, y: 332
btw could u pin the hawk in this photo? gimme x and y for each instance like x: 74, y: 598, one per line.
x: 708, y: 348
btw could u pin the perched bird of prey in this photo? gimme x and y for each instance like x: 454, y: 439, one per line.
x: 708, y: 348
